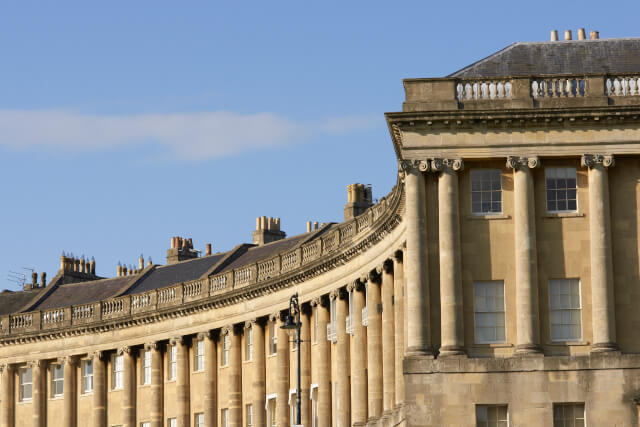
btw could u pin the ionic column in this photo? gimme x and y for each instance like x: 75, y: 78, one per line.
x: 417, y: 273
x: 38, y: 369
x: 99, y: 390
x: 157, y: 384
x: 129, y: 386
x: 323, y: 359
x: 259, y: 372
x: 528, y: 329
x: 358, y: 357
x: 398, y: 315
x: 8, y: 396
x: 182, y: 381
x: 282, y: 374
x: 388, y: 343
x: 452, y: 320
x: 69, y: 391
x: 602, y: 298
x: 210, y: 379
x: 374, y: 347
x: 235, y: 376
x: 305, y: 362
x: 342, y: 358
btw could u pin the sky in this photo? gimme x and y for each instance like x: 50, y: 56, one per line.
x: 125, y: 123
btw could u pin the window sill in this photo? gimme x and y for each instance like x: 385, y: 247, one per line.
x: 488, y: 216
x: 116, y: 389
x: 244, y: 362
x: 144, y: 385
x: 25, y: 401
x: 272, y: 355
x: 59, y: 397
x: 563, y: 215
x: 492, y: 345
x: 173, y: 380
x: 568, y: 343
x: 199, y: 371
x: 86, y: 393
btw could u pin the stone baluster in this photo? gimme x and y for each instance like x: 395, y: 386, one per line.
x: 8, y: 396
x: 99, y: 390
x: 528, y: 329
x: 452, y: 319
x: 388, y: 343
x: 358, y: 357
x: 235, y: 375
x: 282, y: 373
x: 69, y: 364
x: 602, y: 296
x: 398, y: 315
x: 38, y: 374
x: 157, y: 384
x: 129, y: 386
x: 417, y: 273
x: 323, y: 359
x: 374, y: 347
x: 211, y: 378
x: 342, y: 359
x: 305, y: 361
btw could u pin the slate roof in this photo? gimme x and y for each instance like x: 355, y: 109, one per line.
x: 10, y: 302
x: 258, y: 253
x: 611, y: 56
x: 84, y: 292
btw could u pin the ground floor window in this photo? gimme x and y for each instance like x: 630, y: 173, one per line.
x: 492, y: 416
x: 568, y: 415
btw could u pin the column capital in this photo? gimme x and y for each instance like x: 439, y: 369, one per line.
x: 278, y: 315
x: 6, y: 367
x: 356, y: 285
x: 125, y: 349
x: 249, y: 323
x: 97, y: 354
x: 591, y: 160
x: 36, y: 363
x: 68, y: 360
x: 387, y: 266
x: 518, y: 162
x: 375, y: 275
x: 398, y: 255
x: 339, y: 293
x: 442, y: 164
x: 320, y: 301
x: 414, y: 165
x: 152, y: 346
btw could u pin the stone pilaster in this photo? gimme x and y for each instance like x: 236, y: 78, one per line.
x: 528, y: 326
x: 157, y: 384
x: 210, y: 379
x: 235, y: 375
x: 8, y: 396
x: 388, y: 343
x: 398, y: 315
x: 259, y: 372
x: 182, y: 381
x: 358, y: 357
x: 417, y: 270
x: 305, y: 362
x: 129, y: 387
x: 602, y: 296
x: 282, y: 374
x: 342, y: 358
x: 38, y: 374
x: 452, y: 320
x: 323, y: 358
x: 99, y: 414
x: 69, y: 364
x: 374, y: 347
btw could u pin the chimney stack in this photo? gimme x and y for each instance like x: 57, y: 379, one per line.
x: 594, y: 35
x: 359, y: 199
x: 43, y: 279
x: 554, y: 35
x: 581, y: 34
x: 208, y: 249
x: 181, y: 249
x: 149, y: 261
x: 141, y: 262
x: 34, y: 279
x: 92, y: 266
x: 567, y: 35
x: 267, y: 230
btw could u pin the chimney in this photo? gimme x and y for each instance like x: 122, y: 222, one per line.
x: 554, y: 35
x: 359, y: 199
x: 141, y: 262
x: 181, y: 249
x: 581, y: 34
x: 124, y: 270
x: 119, y: 269
x: 43, y: 279
x: 92, y: 266
x: 567, y: 34
x: 149, y: 261
x: 594, y: 35
x: 208, y: 249
x: 34, y: 279
x: 267, y: 230
x: 83, y: 265
x: 308, y: 226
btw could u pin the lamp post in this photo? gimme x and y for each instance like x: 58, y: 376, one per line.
x: 293, y: 321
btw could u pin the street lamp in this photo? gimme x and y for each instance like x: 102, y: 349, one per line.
x: 291, y: 322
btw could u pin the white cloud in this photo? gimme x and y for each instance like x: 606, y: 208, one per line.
x: 187, y: 135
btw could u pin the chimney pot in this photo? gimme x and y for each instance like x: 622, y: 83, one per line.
x: 581, y: 34
x: 257, y: 223
x: 43, y: 279
x: 34, y: 279
x: 141, y: 262
x: 308, y: 226
x: 594, y: 35
x: 149, y: 261
x: 554, y: 35
x: 208, y: 250
x: 567, y: 35
x: 315, y: 225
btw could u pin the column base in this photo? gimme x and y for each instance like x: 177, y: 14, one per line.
x: 450, y: 350
x: 528, y: 350
x: 603, y: 347
x: 419, y: 351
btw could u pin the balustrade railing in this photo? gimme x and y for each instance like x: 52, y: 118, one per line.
x: 82, y: 312
x: 623, y: 86
x: 290, y: 260
x: 483, y: 90
x: 50, y: 317
x: 167, y: 295
x: 219, y: 283
x: 192, y: 289
x: 311, y: 251
x: 242, y: 276
x: 570, y: 87
x: 21, y: 321
x: 267, y: 269
x: 141, y: 301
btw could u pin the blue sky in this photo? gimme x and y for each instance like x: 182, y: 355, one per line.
x: 125, y: 123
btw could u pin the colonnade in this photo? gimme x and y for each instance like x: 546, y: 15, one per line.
x: 526, y: 265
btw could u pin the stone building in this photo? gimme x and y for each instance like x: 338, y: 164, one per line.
x: 497, y: 284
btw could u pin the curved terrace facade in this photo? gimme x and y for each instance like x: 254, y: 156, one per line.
x: 497, y: 283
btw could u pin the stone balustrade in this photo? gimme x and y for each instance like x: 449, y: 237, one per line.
x: 623, y: 86
x: 120, y: 308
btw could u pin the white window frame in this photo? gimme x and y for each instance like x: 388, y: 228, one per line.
x: 478, y: 406
x: 25, y: 385
x: 87, y: 378
x: 482, y: 193
x: 224, y: 417
x: 559, y: 404
x: 315, y: 325
x: 226, y: 345
x: 271, y: 413
x: 292, y: 407
x: 146, y: 367
x: 145, y: 424
x: 248, y: 411
x: 248, y: 344
x: 313, y: 396
x: 117, y: 372
x: 273, y: 338
x: 560, y: 310
x: 198, y: 419
x: 198, y: 356
x: 547, y: 172
x: 172, y: 422
x: 173, y: 362
x: 477, y: 312
x: 57, y: 380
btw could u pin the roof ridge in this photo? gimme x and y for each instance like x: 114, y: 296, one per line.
x: 478, y: 62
